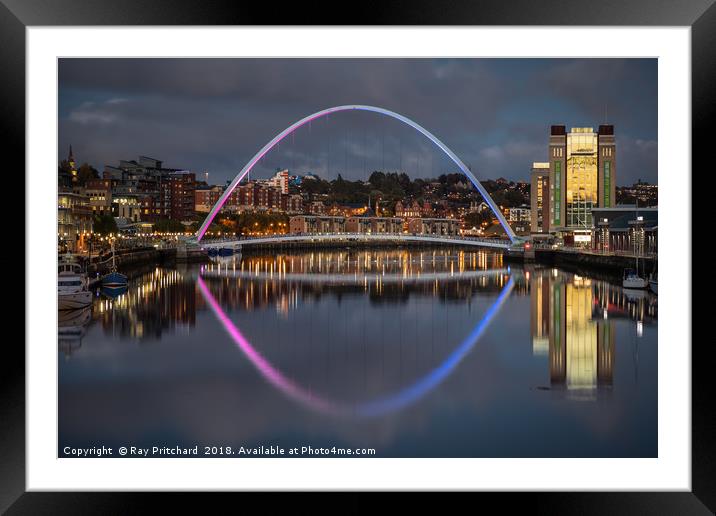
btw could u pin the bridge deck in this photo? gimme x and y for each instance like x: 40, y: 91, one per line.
x: 357, y: 237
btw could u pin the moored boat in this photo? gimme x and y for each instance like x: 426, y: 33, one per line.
x: 113, y: 292
x: 633, y: 280
x: 72, y: 290
x: 114, y: 279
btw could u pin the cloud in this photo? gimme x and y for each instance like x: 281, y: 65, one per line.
x: 636, y: 159
x: 214, y: 114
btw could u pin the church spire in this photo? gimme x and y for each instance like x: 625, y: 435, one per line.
x: 70, y: 157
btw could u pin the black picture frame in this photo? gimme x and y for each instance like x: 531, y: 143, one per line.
x: 700, y: 15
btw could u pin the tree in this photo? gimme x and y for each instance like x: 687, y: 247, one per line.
x: 64, y: 174
x: 86, y: 172
x: 475, y: 219
x: 169, y: 226
x: 64, y: 167
x: 104, y: 224
x: 376, y: 178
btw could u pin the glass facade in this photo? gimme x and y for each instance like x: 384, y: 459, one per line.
x: 581, y: 177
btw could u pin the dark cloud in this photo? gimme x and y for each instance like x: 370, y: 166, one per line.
x: 214, y: 114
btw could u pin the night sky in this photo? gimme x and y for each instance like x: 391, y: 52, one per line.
x: 215, y: 114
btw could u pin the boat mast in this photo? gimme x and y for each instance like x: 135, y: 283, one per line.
x: 636, y: 244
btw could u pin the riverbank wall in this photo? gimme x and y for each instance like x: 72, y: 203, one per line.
x: 130, y: 258
x: 587, y: 263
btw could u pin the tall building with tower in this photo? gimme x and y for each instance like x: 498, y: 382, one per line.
x: 68, y: 177
x: 539, y: 198
x: 582, y: 176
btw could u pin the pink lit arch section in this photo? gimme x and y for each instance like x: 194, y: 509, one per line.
x: 270, y: 145
x: 376, y: 407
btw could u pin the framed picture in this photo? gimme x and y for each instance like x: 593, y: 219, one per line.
x: 419, y: 253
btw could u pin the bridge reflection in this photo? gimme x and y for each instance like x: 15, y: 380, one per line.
x: 385, y: 277
x: 375, y: 407
x: 403, y: 261
x: 572, y: 317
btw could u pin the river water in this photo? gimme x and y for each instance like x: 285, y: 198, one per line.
x: 409, y: 352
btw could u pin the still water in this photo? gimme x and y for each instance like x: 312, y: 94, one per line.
x: 413, y: 353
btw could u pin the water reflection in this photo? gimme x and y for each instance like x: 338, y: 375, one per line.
x: 572, y: 322
x: 436, y: 346
x: 71, y: 328
x: 377, y: 407
x: 155, y: 301
x: 571, y: 317
x: 283, y: 281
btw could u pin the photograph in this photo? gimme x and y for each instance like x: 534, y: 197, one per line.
x: 394, y: 257
x: 415, y: 253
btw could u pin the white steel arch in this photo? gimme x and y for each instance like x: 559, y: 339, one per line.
x: 270, y: 145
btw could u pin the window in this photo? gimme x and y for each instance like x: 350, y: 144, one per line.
x: 607, y: 183
x: 556, y: 190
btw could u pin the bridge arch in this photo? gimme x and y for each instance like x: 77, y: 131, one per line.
x: 366, y: 409
x: 397, y: 116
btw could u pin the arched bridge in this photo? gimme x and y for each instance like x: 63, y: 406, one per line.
x: 270, y: 145
x: 238, y: 243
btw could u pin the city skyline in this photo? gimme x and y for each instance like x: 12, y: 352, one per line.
x: 214, y: 115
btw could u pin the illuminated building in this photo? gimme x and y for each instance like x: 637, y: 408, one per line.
x: 280, y: 181
x: 386, y: 225
x: 582, y: 177
x: 99, y: 195
x: 74, y: 220
x: 291, y: 203
x: 626, y: 227
x: 521, y: 214
x: 434, y: 226
x: 539, y: 198
x: 409, y: 209
x: 162, y: 192
x: 303, y: 224
x: 644, y: 193
x: 206, y: 197
x: 368, y: 224
x: 127, y: 206
x: 176, y: 193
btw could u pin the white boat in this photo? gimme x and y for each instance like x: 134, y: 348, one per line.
x: 72, y: 290
x: 633, y: 280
